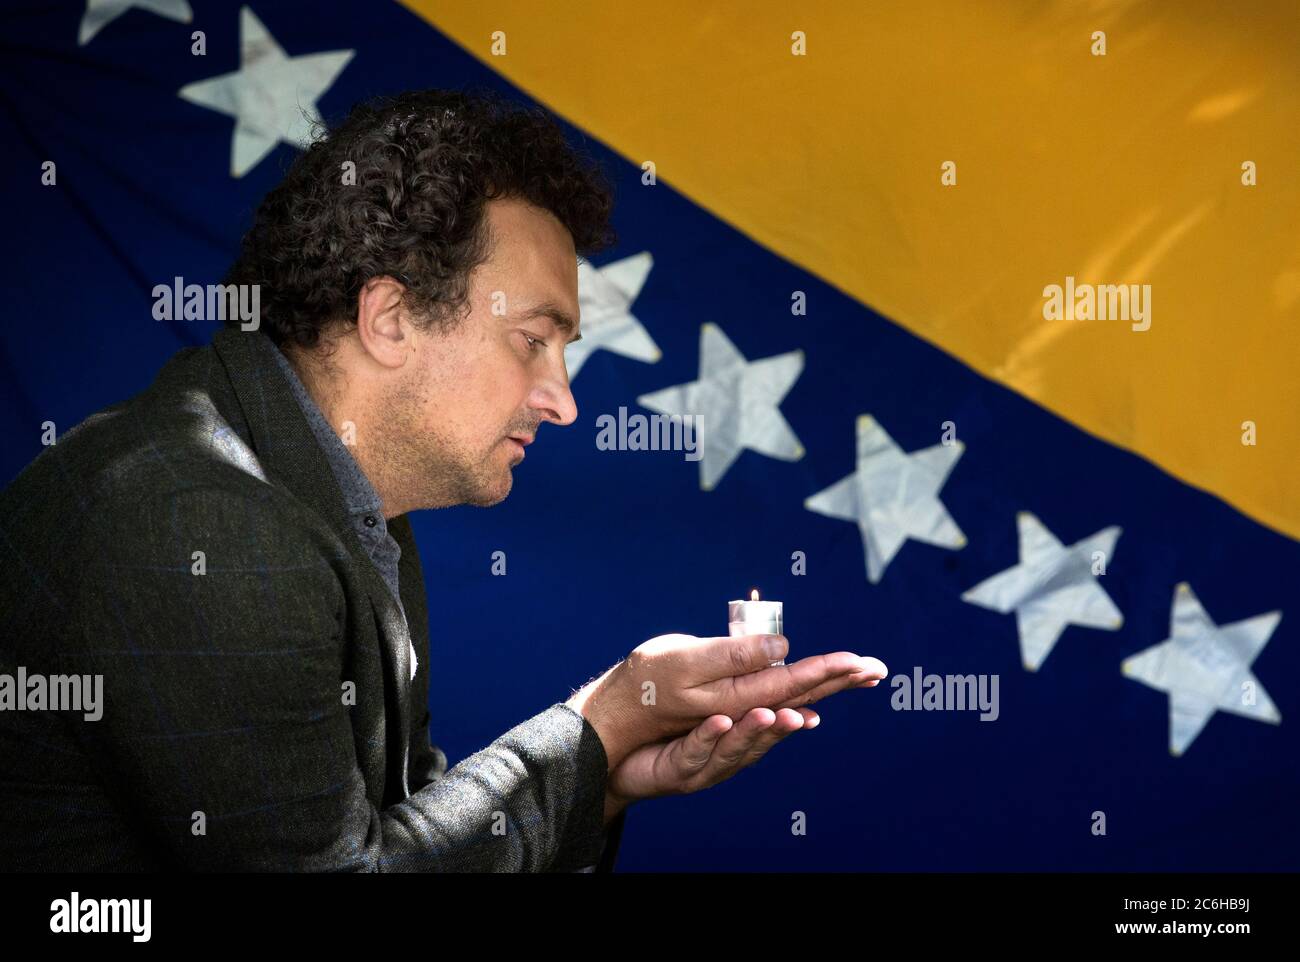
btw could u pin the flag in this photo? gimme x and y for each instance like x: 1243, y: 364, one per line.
x: 976, y: 326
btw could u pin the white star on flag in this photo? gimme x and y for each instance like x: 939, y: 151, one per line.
x: 737, y: 402
x: 1053, y: 586
x: 1206, y: 667
x: 100, y: 13
x: 272, y: 96
x: 892, y: 496
x: 605, y: 296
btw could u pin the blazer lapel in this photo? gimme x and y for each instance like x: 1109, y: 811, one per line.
x: 395, y: 640
x: 290, y: 453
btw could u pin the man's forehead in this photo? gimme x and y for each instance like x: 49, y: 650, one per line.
x: 523, y: 232
x: 533, y: 263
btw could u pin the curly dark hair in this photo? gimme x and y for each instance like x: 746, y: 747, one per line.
x: 426, y: 161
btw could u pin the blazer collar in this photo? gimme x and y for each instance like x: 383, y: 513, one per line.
x: 291, y: 455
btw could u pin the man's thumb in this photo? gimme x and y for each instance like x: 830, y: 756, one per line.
x: 756, y: 652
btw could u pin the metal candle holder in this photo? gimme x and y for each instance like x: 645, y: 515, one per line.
x: 755, y: 617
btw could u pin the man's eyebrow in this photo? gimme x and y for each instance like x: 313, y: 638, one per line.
x: 559, y: 317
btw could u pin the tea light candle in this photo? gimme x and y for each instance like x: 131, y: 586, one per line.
x: 755, y: 617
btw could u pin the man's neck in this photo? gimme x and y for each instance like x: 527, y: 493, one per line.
x: 347, y: 419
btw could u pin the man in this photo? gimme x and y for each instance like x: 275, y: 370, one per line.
x: 229, y: 552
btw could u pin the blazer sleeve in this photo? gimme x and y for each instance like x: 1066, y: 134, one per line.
x: 429, y: 763
x: 226, y: 739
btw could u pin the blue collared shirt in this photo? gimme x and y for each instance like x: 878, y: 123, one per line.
x: 359, y: 497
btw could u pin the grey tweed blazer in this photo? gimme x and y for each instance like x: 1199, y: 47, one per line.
x: 260, y: 715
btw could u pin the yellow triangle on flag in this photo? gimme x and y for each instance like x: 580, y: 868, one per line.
x: 1093, y: 145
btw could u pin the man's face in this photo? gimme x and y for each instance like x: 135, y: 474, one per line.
x: 499, y: 372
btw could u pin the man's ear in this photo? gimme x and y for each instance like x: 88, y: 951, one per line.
x: 382, y: 326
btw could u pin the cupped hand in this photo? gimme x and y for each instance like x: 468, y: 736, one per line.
x: 672, y: 684
x: 712, y: 752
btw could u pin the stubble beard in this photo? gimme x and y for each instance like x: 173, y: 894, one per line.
x: 434, y: 466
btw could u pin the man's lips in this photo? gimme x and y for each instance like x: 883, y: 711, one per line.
x: 522, y: 439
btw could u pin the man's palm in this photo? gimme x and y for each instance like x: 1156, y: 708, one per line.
x: 710, y: 753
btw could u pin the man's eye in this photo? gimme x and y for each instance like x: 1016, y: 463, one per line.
x: 533, y: 342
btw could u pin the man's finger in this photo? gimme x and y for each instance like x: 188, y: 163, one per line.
x: 788, y: 721
x: 754, y: 734
x: 697, y: 747
x: 738, y: 655
x: 735, y: 744
x: 810, y: 718
x: 785, y: 685
x: 863, y: 679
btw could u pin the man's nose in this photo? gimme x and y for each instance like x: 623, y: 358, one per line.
x: 555, y: 401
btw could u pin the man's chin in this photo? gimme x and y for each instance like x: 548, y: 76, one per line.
x: 487, y: 496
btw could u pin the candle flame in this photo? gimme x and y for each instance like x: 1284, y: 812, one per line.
x: 753, y: 595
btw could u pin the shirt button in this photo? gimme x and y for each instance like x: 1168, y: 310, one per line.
x: 370, y: 521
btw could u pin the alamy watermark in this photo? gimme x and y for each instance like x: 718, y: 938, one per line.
x: 1102, y: 302
x: 36, y: 692
x: 211, y: 302
x: 657, y: 432
x: 75, y: 914
x: 921, y: 692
